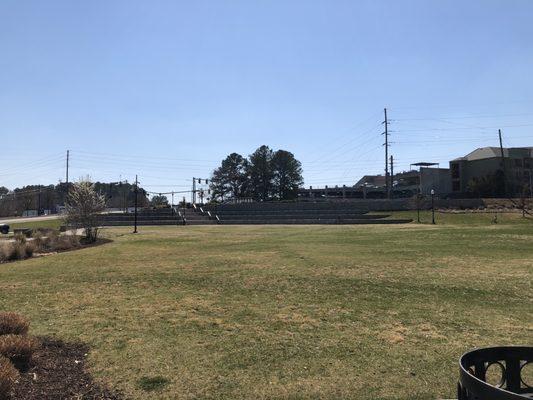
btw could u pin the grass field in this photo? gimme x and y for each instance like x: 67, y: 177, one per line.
x: 285, y: 312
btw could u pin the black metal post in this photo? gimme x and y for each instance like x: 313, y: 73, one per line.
x: 432, y: 206
x: 136, y: 191
x: 418, y: 200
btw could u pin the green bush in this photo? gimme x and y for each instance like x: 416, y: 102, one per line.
x: 8, y: 377
x: 13, y: 323
x: 19, y: 349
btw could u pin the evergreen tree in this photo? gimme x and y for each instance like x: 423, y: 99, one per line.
x: 287, y: 175
x: 261, y: 173
x: 230, y: 179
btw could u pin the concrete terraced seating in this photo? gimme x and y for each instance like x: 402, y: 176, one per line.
x: 298, y: 213
x: 164, y: 216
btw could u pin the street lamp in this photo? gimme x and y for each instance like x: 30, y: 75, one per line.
x: 432, y: 206
x: 418, y: 201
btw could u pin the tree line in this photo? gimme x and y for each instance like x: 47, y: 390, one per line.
x: 49, y: 197
x: 265, y: 175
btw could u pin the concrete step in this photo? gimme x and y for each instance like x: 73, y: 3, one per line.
x: 227, y: 217
x: 140, y: 223
x: 139, y: 218
x: 316, y: 222
x: 201, y: 222
x: 288, y: 212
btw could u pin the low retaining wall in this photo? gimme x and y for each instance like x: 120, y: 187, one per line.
x: 352, y: 204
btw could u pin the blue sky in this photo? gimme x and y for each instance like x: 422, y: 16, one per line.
x: 166, y: 89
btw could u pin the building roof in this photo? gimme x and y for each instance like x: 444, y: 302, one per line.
x: 371, y: 180
x: 493, y: 152
x: 425, y: 164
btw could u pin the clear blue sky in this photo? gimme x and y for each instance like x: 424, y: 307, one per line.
x: 183, y: 83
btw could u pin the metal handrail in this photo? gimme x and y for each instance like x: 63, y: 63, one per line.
x: 183, y: 219
x: 217, y: 218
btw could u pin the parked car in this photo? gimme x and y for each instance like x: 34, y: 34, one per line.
x: 4, y: 228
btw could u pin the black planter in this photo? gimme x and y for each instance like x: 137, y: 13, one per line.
x: 509, y: 362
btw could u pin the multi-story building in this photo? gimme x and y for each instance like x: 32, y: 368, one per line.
x: 516, y: 170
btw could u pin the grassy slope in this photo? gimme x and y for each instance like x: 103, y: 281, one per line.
x: 295, y: 312
x: 48, y: 223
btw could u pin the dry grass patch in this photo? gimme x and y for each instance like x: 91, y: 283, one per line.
x: 18, y: 349
x: 13, y: 323
x: 8, y: 377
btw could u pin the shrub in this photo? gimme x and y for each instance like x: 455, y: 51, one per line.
x: 38, y: 240
x: 18, y: 251
x: 4, y: 251
x: 66, y: 242
x: 49, y: 244
x: 18, y: 349
x: 13, y: 323
x: 8, y: 376
x: 29, y: 249
x: 20, y: 238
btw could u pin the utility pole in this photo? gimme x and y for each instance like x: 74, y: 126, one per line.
x: 531, y: 183
x: 386, y: 144
x: 193, y: 196
x: 68, y: 156
x: 39, y: 205
x: 503, y: 162
x: 136, y: 192
x: 391, y: 176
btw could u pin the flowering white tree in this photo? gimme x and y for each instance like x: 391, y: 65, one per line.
x: 83, y: 207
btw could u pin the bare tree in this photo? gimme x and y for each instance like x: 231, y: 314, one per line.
x: 83, y: 207
x: 524, y: 202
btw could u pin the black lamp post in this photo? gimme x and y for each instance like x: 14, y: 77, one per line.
x: 432, y: 206
x: 418, y: 200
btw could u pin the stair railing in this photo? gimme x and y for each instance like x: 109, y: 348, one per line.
x: 183, y: 219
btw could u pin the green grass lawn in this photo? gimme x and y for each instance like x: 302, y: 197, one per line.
x: 47, y: 223
x: 285, y: 312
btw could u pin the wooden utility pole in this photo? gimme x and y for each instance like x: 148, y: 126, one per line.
x: 503, y: 162
x: 68, y: 156
x: 391, y: 176
x: 193, y: 194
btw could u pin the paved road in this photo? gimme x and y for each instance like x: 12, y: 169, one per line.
x: 13, y: 220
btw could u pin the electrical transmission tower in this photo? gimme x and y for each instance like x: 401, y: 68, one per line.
x: 386, y: 144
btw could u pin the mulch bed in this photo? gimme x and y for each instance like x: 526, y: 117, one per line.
x: 58, y: 372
